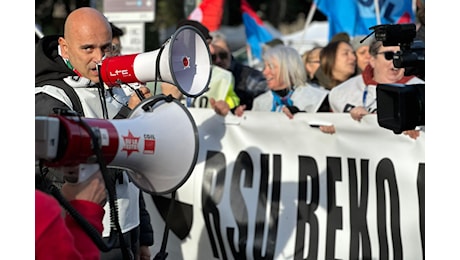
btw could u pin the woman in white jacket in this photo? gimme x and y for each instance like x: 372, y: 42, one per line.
x: 286, y: 79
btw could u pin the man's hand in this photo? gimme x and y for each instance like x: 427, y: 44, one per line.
x: 327, y: 129
x: 220, y: 107
x: 93, y: 189
x: 134, y: 100
x: 414, y: 134
x: 357, y: 113
x: 240, y: 110
x: 287, y: 112
x: 170, y: 89
x: 144, y: 253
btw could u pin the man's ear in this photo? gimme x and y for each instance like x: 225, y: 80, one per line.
x: 63, y: 44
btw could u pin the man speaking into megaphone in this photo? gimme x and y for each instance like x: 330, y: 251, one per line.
x: 70, y: 70
x: 67, y: 78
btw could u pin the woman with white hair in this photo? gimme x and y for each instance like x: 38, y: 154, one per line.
x: 286, y: 78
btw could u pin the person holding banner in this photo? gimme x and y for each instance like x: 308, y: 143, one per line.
x: 286, y: 78
x: 358, y: 95
x: 249, y: 82
x: 338, y: 63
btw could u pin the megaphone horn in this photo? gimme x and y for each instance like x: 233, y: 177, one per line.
x: 157, y: 145
x: 183, y: 60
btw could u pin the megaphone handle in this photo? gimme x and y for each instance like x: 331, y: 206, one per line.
x: 162, y: 254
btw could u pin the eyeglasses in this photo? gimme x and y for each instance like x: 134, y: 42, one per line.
x: 221, y: 55
x: 387, y: 54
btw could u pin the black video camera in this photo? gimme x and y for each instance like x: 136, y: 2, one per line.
x: 411, y: 57
x: 402, y: 107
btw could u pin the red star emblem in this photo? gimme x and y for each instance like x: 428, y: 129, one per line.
x: 131, y: 143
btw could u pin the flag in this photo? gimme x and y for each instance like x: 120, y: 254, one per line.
x: 209, y: 13
x: 356, y: 17
x: 256, y: 33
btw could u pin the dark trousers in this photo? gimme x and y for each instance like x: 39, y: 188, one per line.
x: 131, y: 239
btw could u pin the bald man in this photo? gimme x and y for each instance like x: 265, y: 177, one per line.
x: 87, y: 39
x: 74, y: 59
x: 66, y: 78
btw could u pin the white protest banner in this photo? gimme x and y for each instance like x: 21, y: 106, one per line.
x: 267, y: 187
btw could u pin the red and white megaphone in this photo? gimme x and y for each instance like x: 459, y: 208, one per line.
x: 157, y: 144
x: 184, y: 60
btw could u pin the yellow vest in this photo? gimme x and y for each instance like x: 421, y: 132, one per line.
x: 220, y: 87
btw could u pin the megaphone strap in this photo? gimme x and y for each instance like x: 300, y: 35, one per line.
x: 157, y: 64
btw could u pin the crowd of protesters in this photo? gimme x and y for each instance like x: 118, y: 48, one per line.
x: 340, y: 77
